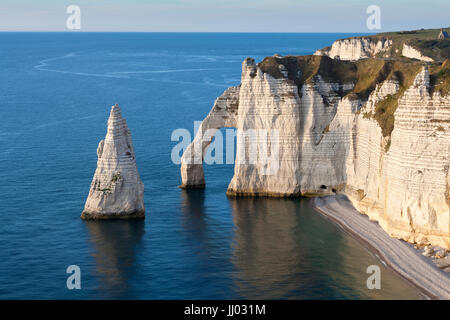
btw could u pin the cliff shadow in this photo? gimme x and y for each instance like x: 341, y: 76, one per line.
x: 267, y: 255
x: 194, y: 223
x: 193, y: 210
x: 116, y: 244
x: 283, y: 249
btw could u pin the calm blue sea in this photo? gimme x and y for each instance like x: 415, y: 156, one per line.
x: 56, y: 90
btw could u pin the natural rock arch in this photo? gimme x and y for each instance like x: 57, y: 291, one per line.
x: 222, y: 115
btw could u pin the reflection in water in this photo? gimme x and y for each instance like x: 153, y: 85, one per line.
x: 266, y: 248
x: 354, y: 261
x: 194, y: 221
x: 285, y: 249
x: 268, y: 256
x: 205, y: 271
x: 199, y: 238
x: 193, y: 208
x: 115, y: 243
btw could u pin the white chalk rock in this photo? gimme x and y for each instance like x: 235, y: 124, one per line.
x: 222, y: 115
x: 410, y: 52
x: 117, y: 191
x: 355, y: 48
x: 328, y: 145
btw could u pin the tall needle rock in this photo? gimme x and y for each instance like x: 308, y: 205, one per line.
x: 117, y: 191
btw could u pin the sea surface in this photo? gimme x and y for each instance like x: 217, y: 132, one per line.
x: 56, y: 90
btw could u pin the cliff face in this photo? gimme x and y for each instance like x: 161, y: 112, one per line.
x: 406, y: 189
x: 117, y: 191
x: 422, y: 45
x: 360, y: 48
x: 374, y: 130
x: 355, y: 48
x: 222, y: 115
x: 410, y: 52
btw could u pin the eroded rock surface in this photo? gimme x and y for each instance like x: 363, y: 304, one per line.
x: 117, y: 191
x: 410, y: 52
x: 355, y: 48
x: 384, y: 142
x: 222, y: 115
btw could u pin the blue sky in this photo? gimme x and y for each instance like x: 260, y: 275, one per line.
x: 223, y: 16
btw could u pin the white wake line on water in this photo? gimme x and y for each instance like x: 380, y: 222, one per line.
x: 53, y: 123
x: 43, y: 64
x: 186, y: 82
x: 4, y: 135
x: 166, y: 71
x: 45, y: 125
x: 20, y: 102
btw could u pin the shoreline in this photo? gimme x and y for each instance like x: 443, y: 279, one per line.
x: 398, y: 255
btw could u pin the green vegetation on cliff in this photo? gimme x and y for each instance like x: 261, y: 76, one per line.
x: 302, y: 69
x: 425, y: 40
x: 405, y: 74
x: 366, y: 74
x: 440, y: 78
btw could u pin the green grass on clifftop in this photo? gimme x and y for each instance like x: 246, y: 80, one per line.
x: 364, y: 74
x: 424, y: 40
x: 405, y: 74
x: 440, y: 78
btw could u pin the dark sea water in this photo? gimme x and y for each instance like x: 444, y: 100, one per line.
x: 56, y: 90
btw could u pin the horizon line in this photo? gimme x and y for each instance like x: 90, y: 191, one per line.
x: 93, y: 31
x: 274, y: 32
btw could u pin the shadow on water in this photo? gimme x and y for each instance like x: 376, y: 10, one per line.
x: 206, y: 237
x: 116, y: 244
x: 194, y: 219
x: 193, y: 208
x: 198, y: 234
x: 270, y: 261
x: 284, y: 249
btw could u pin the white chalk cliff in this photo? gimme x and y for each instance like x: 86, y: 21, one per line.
x: 222, y: 115
x: 355, y: 48
x: 330, y: 142
x: 117, y: 191
x: 410, y: 52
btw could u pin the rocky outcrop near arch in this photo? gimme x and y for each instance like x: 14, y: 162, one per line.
x: 374, y: 129
x: 117, y: 191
